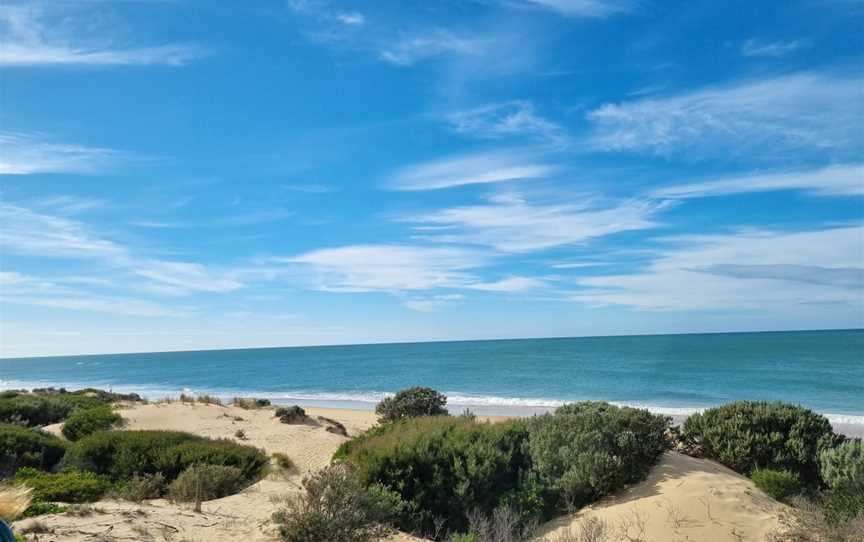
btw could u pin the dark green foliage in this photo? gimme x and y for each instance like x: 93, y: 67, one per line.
x: 748, y: 435
x: 121, y: 454
x: 842, y: 468
x: 67, y: 486
x: 250, y: 403
x: 85, y: 421
x: 23, y: 447
x: 779, y: 484
x: 840, y: 506
x: 32, y: 410
x: 587, y: 450
x: 206, y: 482
x: 442, y: 467
x: 141, y: 487
x: 336, y: 508
x: 39, y: 508
x: 411, y: 403
x: 292, y: 414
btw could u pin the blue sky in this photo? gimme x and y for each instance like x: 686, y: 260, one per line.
x: 185, y: 175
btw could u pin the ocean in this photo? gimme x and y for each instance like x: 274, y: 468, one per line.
x: 674, y: 374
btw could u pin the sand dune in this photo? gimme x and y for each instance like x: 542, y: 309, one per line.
x: 683, y: 499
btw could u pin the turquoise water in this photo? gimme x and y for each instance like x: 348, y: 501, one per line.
x: 676, y: 374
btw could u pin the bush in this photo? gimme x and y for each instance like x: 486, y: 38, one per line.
x: 842, y: 468
x: 23, y: 447
x: 292, y: 414
x: 205, y: 482
x: 121, y: 454
x: 840, y: 506
x: 442, y: 467
x: 39, y: 508
x: 83, y: 422
x: 336, y: 508
x: 587, y: 450
x: 411, y: 403
x: 779, y: 484
x: 67, y: 486
x: 32, y: 410
x: 142, y: 487
x: 250, y: 403
x: 283, y: 461
x: 749, y: 435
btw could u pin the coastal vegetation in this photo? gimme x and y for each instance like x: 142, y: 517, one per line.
x: 411, y: 403
x: 27, y: 447
x: 83, y: 422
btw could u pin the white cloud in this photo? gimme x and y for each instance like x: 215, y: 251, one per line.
x: 24, y: 154
x: 512, y: 224
x: 754, y: 270
x: 586, y: 8
x: 838, y: 180
x: 510, y: 284
x: 411, y: 48
x: 32, y: 37
x: 480, y: 168
x: 804, y: 111
x: 36, y: 234
x: 508, y: 119
x: 351, y: 18
x: 754, y: 47
x: 391, y: 268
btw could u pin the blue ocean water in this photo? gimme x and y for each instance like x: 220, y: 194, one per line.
x: 676, y: 374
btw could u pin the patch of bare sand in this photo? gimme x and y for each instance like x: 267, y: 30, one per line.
x: 683, y: 499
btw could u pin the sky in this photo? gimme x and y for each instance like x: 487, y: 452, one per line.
x: 183, y: 175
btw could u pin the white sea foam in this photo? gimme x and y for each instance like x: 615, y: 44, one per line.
x: 488, y: 404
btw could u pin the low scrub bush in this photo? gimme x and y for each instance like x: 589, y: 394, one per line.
x: 142, y: 487
x: 250, y: 403
x: 283, y: 461
x: 336, y: 508
x: 842, y: 468
x: 411, y: 403
x: 121, y: 454
x: 503, y: 525
x: 586, y: 450
x: 85, y: 421
x: 24, y: 447
x: 813, y: 520
x: 749, y: 435
x: 442, y: 467
x: 779, y: 484
x: 292, y: 414
x: 66, y: 486
x: 206, y: 482
x: 39, y: 508
x: 32, y: 410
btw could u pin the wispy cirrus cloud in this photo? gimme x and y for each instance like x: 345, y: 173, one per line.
x: 585, y: 8
x: 516, y: 118
x: 409, y: 48
x: 752, y: 270
x: 753, y: 47
x: 390, y: 268
x: 32, y: 35
x: 837, y: 180
x: 511, y: 223
x: 750, y: 118
x: 39, y: 234
x: 478, y: 168
x: 26, y: 154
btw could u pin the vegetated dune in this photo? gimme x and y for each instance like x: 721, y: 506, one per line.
x: 684, y: 498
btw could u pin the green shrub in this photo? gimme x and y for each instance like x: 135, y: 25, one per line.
x: 67, y: 486
x: 748, y: 435
x: 142, y: 487
x: 85, y: 421
x: 411, y: 403
x: 121, y: 454
x: 587, y: 450
x: 283, y: 461
x: 205, y: 482
x: 840, y: 506
x: 292, y: 414
x: 250, y: 403
x: 39, y: 508
x: 336, y: 508
x: 842, y: 468
x: 442, y: 467
x: 32, y: 410
x: 779, y: 484
x: 23, y: 447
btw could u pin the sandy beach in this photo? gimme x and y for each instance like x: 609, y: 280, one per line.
x: 683, y: 498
